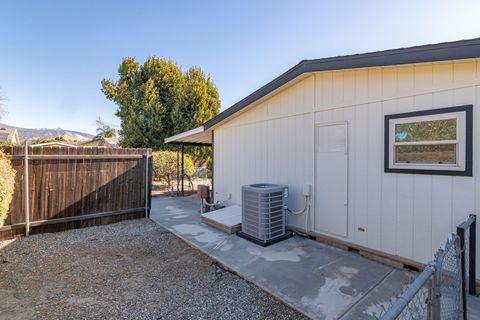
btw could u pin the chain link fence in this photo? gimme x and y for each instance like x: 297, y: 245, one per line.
x: 414, y: 303
x: 437, y: 292
x: 449, y: 280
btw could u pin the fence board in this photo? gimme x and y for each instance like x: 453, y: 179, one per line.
x: 68, y: 183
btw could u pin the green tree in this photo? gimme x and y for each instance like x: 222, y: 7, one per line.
x: 104, y: 130
x: 165, y: 166
x: 145, y: 95
x: 198, y: 103
x: 157, y: 100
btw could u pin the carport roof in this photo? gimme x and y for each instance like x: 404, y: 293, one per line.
x: 463, y: 49
x: 196, y: 137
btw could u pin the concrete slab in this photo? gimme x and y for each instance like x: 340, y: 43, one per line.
x: 318, y: 280
x: 230, y: 216
x: 228, y: 219
x: 183, y: 219
x: 381, y: 298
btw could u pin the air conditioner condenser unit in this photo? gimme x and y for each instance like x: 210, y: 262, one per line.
x: 263, y: 213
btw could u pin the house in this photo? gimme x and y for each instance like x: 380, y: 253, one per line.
x: 102, y: 142
x: 9, y: 135
x: 55, y: 144
x: 388, y: 141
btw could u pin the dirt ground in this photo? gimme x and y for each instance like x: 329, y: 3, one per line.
x: 161, y: 189
x: 129, y: 270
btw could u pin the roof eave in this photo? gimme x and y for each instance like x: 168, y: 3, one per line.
x: 463, y: 49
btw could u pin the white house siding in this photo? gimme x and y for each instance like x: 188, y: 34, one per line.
x: 402, y: 214
x: 270, y: 142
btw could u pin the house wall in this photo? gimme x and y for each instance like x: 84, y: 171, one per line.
x: 402, y: 214
x: 270, y: 142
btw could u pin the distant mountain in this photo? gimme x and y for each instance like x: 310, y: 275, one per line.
x: 43, y: 133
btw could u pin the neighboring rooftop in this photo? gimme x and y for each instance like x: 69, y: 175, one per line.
x: 9, y: 135
x: 54, y: 144
x: 102, y: 142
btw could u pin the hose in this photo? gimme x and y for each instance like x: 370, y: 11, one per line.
x: 305, y: 207
x: 215, y: 205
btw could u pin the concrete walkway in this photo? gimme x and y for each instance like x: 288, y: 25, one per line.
x: 318, y: 280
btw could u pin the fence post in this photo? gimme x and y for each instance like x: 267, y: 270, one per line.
x: 461, y: 236
x: 431, y: 294
x: 146, y: 184
x: 436, y: 307
x: 26, y: 201
x: 472, y: 263
x: 178, y: 170
x: 458, y: 249
x: 150, y: 181
x: 183, y: 167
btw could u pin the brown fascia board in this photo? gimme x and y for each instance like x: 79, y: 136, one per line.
x: 463, y: 49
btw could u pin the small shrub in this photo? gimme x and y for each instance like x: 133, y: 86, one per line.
x: 39, y: 141
x: 7, y: 144
x: 165, y: 166
x: 7, y: 185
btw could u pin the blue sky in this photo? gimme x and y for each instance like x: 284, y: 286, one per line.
x: 53, y: 54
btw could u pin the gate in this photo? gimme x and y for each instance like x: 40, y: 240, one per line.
x: 439, y: 292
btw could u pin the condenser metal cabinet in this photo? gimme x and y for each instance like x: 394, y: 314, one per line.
x: 263, y: 212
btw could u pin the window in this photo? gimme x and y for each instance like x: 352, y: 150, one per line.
x: 430, y: 142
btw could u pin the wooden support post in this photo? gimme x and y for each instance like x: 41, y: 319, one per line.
x: 26, y: 200
x: 150, y: 182
x: 178, y: 168
x: 183, y: 167
x: 146, y: 185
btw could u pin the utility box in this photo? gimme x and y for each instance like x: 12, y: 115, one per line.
x: 203, y: 191
x: 263, y: 212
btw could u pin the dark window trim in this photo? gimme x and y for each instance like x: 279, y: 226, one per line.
x: 468, y: 109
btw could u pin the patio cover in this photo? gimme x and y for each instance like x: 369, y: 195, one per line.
x: 195, y: 137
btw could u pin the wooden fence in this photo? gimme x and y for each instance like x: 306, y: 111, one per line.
x: 76, y: 187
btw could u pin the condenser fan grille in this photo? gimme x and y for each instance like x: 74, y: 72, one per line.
x: 263, y: 211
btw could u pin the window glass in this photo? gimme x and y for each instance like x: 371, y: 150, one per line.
x: 434, y: 130
x: 425, y: 154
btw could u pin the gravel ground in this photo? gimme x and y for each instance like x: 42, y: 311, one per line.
x: 128, y: 270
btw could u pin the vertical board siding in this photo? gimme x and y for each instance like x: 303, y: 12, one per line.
x: 422, y: 218
x: 358, y: 166
x: 62, y: 188
x: 389, y: 196
x: 374, y: 174
x: 404, y: 223
x: 402, y: 214
x: 262, y: 145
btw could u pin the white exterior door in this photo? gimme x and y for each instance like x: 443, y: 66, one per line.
x: 331, y: 180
